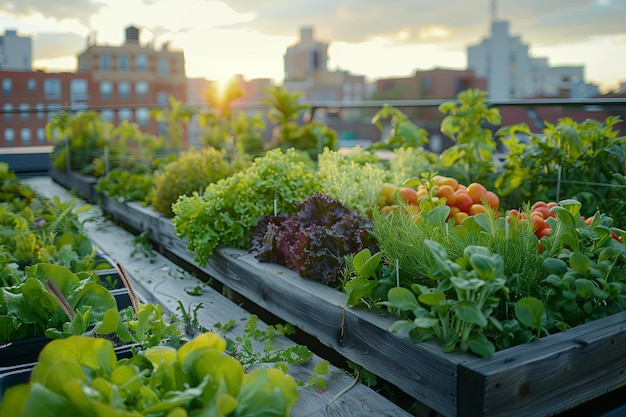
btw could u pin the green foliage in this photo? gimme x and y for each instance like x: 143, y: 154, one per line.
x: 411, y: 162
x: 459, y: 309
x: 41, y: 230
x: 86, y: 133
x: 586, y: 274
x: 471, y: 158
x: 12, y: 188
x: 127, y: 185
x: 226, y: 213
x: 197, y: 379
x: 356, y: 185
x: 403, y: 240
x: 312, y: 137
x: 583, y: 161
x: 403, y: 133
x: 175, y: 118
x: 191, y: 172
x: 31, y: 309
x: 221, y: 129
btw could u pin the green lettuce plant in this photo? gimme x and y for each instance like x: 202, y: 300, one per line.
x: 81, y: 376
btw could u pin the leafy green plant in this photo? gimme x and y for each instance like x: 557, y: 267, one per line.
x: 285, y: 109
x: 587, y: 277
x: 79, y: 139
x: 192, y: 171
x: 471, y: 158
x: 227, y: 212
x: 462, y: 320
x: 403, y: 134
x: 582, y: 161
x: 31, y: 308
x: 175, y: 117
x: 127, y: 185
x: 355, y: 184
x: 41, y: 230
x: 81, y: 376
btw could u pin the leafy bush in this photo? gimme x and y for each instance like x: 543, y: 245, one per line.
x: 582, y: 161
x: 227, y: 212
x: 192, y: 171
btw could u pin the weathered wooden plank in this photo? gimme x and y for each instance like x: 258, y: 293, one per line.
x: 159, y: 280
x: 83, y: 186
x: 549, y: 375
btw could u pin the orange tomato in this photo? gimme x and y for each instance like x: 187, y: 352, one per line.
x: 463, y: 201
x: 459, y: 217
x: 476, y: 191
x: 408, y: 195
x: 476, y: 209
x: 538, y: 221
x: 544, y: 210
x: 493, y: 200
x: 447, y: 192
x: 441, y: 180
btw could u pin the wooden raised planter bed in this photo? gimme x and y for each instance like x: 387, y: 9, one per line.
x: 158, y: 280
x: 546, y: 377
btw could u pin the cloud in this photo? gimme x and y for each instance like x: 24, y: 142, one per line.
x: 444, y: 21
x: 55, y: 45
x: 58, y: 9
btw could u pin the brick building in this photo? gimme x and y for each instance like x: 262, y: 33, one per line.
x: 121, y: 82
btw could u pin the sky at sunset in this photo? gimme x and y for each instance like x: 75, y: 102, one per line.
x: 374, y: 38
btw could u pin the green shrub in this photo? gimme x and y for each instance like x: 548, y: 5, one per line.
x: 192, y: 171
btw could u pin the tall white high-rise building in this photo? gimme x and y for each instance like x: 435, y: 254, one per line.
x: 511, y: 72
x: 16, y: 52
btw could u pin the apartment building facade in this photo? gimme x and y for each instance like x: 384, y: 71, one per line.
x: 121, y: 82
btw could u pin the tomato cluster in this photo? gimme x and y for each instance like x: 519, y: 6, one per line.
x: 464, y: 201
x: 539, y: 213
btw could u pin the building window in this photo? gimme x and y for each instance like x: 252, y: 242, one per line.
x: 141, y: 63
x: 52, y: 89
x: 163, y: 67
x: 6, y: 86
x: 106, y: 90
x: 124, y: 114
x: 9, y: 136
x: 41, y: 135
x: 123, y: 62
x: 123, y: 89
x: 31, y: 85
x: 105, y: 62
x: 8, y: 112
x: 162, y: 98
x: 143, y: 116
x: 78, y: 89
x: 107, y: 114
x: 141, y: 89
x: 53, y: 108
x: 24, y: 112
x: 25, y: 136
x: 40, y: 114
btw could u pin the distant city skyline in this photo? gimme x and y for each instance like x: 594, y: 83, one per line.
x: 366, y: 37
